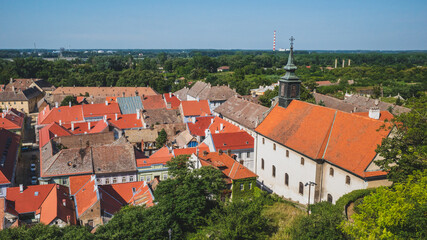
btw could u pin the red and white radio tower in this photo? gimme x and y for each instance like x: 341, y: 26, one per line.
x: 274, y: 41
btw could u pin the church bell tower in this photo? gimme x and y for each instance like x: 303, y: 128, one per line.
x: 289, y: 85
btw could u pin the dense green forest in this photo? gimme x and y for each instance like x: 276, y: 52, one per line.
x: 403, y: 73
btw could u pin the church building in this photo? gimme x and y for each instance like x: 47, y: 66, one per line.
x: 309, y: 153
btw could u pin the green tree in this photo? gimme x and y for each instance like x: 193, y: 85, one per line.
x: 406, y: 149
x: 66, y: 101
x: 398, y: 212
x: 322, y: 223
x: 161, y: 138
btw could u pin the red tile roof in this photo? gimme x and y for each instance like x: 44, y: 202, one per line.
x: 198, y: 128
x: 114, y: 196
x: 125, y: 121
x: 172, y: 100
x: 65, y: 113
x: 105, y: 91
x: 85, y: 192
x: 195, y: 108
x: 219, y: 125
x: 50, y: 131
x: 8, y: 166
x: 44, y: 199
x: 153, y: 102
x: 384, y: 115
x: 230, y: 167
x: 162, y: 156
x: 191, y: 150
x: 232, y: 141
x: 343, y: 139
x: 100, y: 109
x: 12, y: 119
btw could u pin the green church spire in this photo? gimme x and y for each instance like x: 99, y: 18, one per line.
x: 289, y: 84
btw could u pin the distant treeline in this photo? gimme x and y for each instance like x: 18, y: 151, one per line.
x: 404, y: 73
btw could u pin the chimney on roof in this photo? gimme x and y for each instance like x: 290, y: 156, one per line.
x: 72, y: 126
x: 56, y: 104
x: 69, y: 103
x: 116, y: 115
x: 221, y: 126
x: 170, y: 94
x: 13, y: 88
x: 21, y: 188
x: 88, y: 125
x: 193, y: 119
x: 106, y: 103
x: 105, y: 118
x: 11, y: 80
x: 138, y: 114
x: 374, y: 113
x: 64, y: 202
x: 60, y: 122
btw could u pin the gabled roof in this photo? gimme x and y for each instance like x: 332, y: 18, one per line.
x: 64, y: 113
x: 204, y: 91
x: 9, y: 147
x: 11, y: 119
x: 219, y: 125
x: 364, y: 104
x: 129, y: 105
x: 125, y: 121
x: 183, y: 138
x: 198, y: 128
x: 334, y: 103
x: 139, y: 135
x: 115, y: 196
x: 83, y: 127
x: 50, y: 131
x: 161, y: 116
x: 100, y: 109
x: 171, y: 99
x: 246, y: 113
x: 153, y: 102
x: 195, y: 108
x: 182, y: 94
x: 48, y: 200
x: 232, y: 141
x: 162, y: 156
x: 20, y: 84
x: 230, y: 167
x: 85, y: 192
x: 25, y: 95
x: 343, y: 139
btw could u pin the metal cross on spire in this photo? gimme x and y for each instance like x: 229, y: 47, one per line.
x: 292, y: 41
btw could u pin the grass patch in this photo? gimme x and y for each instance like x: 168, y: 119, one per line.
x: 283, y: 215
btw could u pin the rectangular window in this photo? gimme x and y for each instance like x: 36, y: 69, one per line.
x: 148, y: 178
x: 242, y: 187
x: 114, y: 180
x: 107, y: 181
x: 250, y: 185
x: 165, y: 176
x: 248, y: 154
x: 130, y: 178
x: 240, y: 155
x: 141, y: 178
x: 274, y: 146
x: 287, y: 153
x: 123, y: 179
x: 262, y: 163
x: 99, y: 181
x: 302, y: 161
x: 263, y: 140
x: 64, y: 181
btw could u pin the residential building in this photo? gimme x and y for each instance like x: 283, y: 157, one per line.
x: 242, y: 113
x: 298, y: 143
x: 48, y: 204
x: 182, y: 94
x: 262, y: 89
x: 216, y: 95
x: 24, y: 101
x: 143, y: 139
x: 13, y: 121
x: 363, y: 104
x: 171, y: 101
x: 96, y: 204
x: 197, y: 129
x: 241, y: 144
x: 240, y: 180
x: 10, y: 149
x: 129, y: 105
x: 192, y: 109
x: 153, y: 102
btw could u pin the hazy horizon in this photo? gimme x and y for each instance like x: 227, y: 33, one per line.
x: 218, y: 25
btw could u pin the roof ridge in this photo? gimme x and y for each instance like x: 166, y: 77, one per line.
x: 136, y: 193
x: 90, y: 179
x: 330, y: 133
x: 111, y: 195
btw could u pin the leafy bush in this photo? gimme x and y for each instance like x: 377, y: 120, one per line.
x: 350, y: 197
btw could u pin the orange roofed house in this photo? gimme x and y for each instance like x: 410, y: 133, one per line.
x: 240, y: 180
x: 301, y: 147
x: 192, y: 109
x: 96, y: 204
x: 9, y: 154
x: 48, y: 204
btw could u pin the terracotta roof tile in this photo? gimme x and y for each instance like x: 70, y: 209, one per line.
x: 198, y: 128
x: 125, y: 121
x: 162, y: 156
x: 230, y: 167
x: 171, y: 100
x: 232, y: 141
x: 153, y: 102
x: 191, y: 150
x: 85, y: 192
x: 11, y: 119
x: 384, y: 115
x: 9, y: 145
x: 220, y: 125
x: 195, y: 108
x: 105, y: 91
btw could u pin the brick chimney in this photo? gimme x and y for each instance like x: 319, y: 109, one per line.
x: 72, y: 126
x: 116, y: 116
x: 374, y: 113
x: 21, y: 188
x: 106, y: 103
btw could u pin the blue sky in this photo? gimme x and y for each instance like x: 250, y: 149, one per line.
x: 216, y: 24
